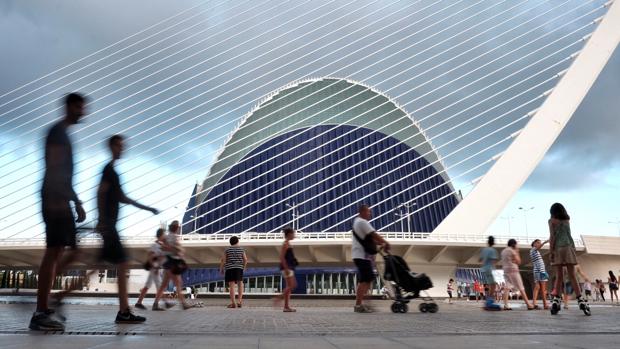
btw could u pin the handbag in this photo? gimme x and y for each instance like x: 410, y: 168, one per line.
x: 368, y: 243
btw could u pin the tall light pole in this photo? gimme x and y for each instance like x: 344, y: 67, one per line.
x: 294, y: 215
x: 617, y: 223
x: 525, y: 210
x: 508, y: 219
x: 397, y: 213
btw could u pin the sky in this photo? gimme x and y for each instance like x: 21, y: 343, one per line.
x: 180, y: 87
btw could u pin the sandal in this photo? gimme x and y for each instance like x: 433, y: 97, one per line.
x: 231, y: 306
x: 289, y: 310
x: 507, y: 307
x: 239, y: 305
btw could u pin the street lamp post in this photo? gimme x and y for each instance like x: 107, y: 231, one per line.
x: 294, y: 215
x: 525, y: 210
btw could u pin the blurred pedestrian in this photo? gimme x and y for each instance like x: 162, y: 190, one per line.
x: 153, y: 264
x: 56, y: 195
x: 110, y: 195
x: 510, y: 264
x: 488, y: 257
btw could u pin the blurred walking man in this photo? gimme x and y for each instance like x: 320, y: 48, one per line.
x: 109, y: 197
x: 56, y: 194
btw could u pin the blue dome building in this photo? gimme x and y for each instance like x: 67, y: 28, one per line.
x: 310, y: 153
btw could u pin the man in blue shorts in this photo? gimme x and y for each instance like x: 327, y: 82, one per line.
x: 488, y: 257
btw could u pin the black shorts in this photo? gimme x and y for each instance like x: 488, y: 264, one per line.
x: 112, y: 250
x: 233, y: 275
x: 588, y: 293
x: 177, y: 266
x: 364, y: 270
x: 450, y: 294
x: 59, y: 227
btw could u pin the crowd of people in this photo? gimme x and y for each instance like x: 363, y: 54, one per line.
x: 166, y: 256
x: 568, y: 277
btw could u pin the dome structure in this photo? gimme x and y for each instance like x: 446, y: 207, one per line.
x: 311, y: 152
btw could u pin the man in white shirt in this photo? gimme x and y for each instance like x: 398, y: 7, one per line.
x: 364, y: 231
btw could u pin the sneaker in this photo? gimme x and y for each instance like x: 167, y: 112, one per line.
x: 140, y: 306
x: 43, y: 322
x: 156, y: 307
x: 583, y: 305
x: 555, y: 306
x: 368, y: 308
x: 56, y: 315
x: 169, y: 304
x: 127, y: 317
x: 361, y: 309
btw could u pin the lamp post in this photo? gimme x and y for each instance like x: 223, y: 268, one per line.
x: 525, y: 210
x: 294, y: 215
x: 617, y: 223
x: 398, y: 214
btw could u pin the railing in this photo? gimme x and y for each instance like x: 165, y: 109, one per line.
x: 249, y: 237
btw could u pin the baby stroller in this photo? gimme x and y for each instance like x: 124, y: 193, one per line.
x: 407, y: 285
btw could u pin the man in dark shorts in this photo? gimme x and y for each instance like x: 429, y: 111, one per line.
x: 56, y: 194
x: 109, y: 197
x: 364, y: 262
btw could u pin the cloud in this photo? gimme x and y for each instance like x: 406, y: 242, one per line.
x: 588, y: 147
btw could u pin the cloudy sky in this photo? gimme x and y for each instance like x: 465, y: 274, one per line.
x: 179, y: 87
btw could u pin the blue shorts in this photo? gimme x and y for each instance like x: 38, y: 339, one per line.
x: 488, y: 278
x: 541, y: 276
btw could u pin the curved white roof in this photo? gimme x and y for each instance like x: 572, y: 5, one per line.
x: 313, y: 102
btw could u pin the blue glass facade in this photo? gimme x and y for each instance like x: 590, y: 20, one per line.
x: 327, y: 177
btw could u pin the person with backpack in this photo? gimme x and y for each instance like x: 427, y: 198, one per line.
x: 364, y: 242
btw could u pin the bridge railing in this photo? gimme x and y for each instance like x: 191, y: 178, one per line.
x: 248, y: 237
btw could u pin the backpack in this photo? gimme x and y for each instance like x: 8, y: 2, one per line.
x: 368, y: 243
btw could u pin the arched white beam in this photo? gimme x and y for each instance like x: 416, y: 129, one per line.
x: 480, y: 208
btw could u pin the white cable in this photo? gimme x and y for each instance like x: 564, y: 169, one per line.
x: 416, y: 134
x: 207, y: 101
x: 425, y: 141
x: 417, y: 184
x: 121, y: 69
x: 98, y: 51
x: 166, y: 79
x: 512, y: 74
x: 369, y: 145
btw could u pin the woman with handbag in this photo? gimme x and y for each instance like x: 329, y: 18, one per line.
x: 173, y: 267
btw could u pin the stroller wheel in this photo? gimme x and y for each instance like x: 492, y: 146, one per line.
x: 423, y: 307
x: 432, y: 307
x: 404, y: 308
x: 395, y: 307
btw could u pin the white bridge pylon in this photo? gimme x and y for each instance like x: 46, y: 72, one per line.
x: 484, y: 203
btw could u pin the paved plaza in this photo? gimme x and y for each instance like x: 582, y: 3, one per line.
x: 319, y: 323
